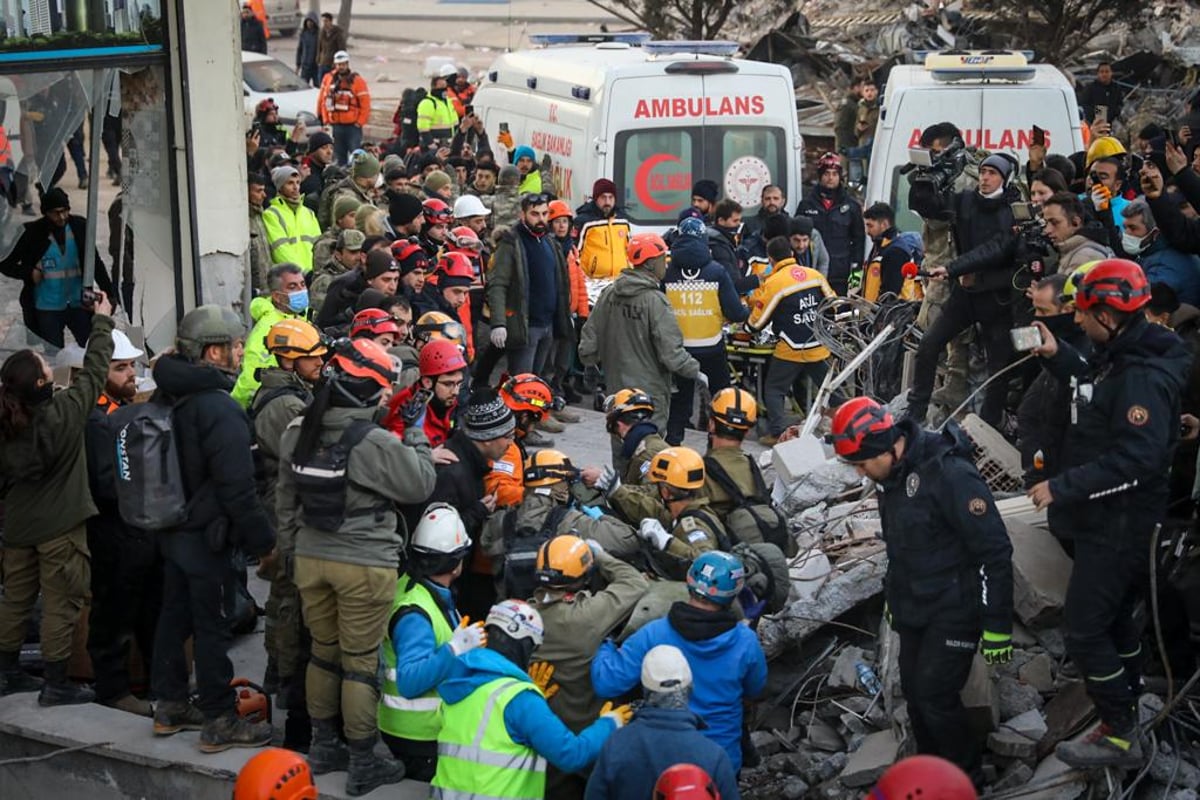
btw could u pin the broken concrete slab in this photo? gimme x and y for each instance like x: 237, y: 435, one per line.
x: 1011, y: 745
x: 1052, y: 640
x: 796, y: 458
x: 827, y: 769
x: 1018, y: 774
x: 1060, y: 781
x: 868, y: 762
x: 840, y: 593
x: 1032, y: 725
x: 809, y: 573
x: 766, y: 743
x: 844, y: 673
x: 823, y: 736
x: 1041, y: 571
x: 1168, y: 766
x: 1065, y: 715
x: 980, y: 698
x: 1038, y: 672
x: 1016, y: 698
x: 854, y: 724
x: 824, y: 482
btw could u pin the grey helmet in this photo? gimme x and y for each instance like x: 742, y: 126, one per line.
x: 205, y: 325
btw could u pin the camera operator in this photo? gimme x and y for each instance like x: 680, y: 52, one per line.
x: 1076, y: 240
x: 983, y: 231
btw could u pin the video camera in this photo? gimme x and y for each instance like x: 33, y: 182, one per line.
x: 931, y: 183
x: 1032, y: 245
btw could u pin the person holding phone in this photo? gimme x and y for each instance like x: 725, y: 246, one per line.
x: 1102, y: 98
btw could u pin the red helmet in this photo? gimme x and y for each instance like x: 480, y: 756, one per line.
x: 437, y: 212
x: 373, y: 322
x: 685, y: 782
x: 404, y: 249
x: 439, y: 357
x: 275, y: 774
x: 364, y: 358
x: 645, y: 246
x: 527, y: 392
x: 862, y: 429
x: 926, y: 777
x: 465, y: 238
x: 456, y: 265
x: 1119, y: 284
x: 266, y: 105
x: 829, y: 161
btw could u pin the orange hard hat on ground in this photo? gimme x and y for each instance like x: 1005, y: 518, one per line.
x: 275, y: 774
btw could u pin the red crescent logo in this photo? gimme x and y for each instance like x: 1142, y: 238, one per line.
x: 641, y: 183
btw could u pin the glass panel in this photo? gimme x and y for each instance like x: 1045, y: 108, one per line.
x: 654, y: 168
x: 750, y: 160
x: 270, y: 75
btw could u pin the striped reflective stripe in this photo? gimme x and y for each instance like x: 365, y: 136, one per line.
x: 317, y: 472
x: 405, y: 704
x: 478, y: 755
x: 440, y: 793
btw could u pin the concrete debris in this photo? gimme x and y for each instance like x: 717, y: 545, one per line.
x: 1060, y: 781
x: 868, y: 762
x: 844, y: 674
x: 823, y: 736
x: 842, y: 592
x: 1031, y: 725
x: 1015, y: 698
x: 1149, y: 705
x: 1011, y: 745
x: 1169, y: 767
x: 980, y: 697
x: 1018, y: 774
x: 797, y: 491
x: 1038, y: 672
x: 809, y: 573
x: 1040, y: 573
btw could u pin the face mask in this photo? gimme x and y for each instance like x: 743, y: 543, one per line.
x: 1134, y: 245
x: 439, y: 93
x: 298, y: 301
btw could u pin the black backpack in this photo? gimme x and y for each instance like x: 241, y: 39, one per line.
x: 753, y: 519
x: 321, y: 483
x: 260, y: 467
x: 520, y: 551
x: 406, y: 125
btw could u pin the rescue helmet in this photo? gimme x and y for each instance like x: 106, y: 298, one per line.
x: 527, y: 392
x: 548, y: 467
x: 405, y: 249
x: 677, y: 467
x: 862, y: 429
x: 643, y: 247
x: 439, y: 357
x: 437, y: 212
x: 927, y: 777
x: 517, y: 620
x: 295, y: 338
x: 829, y: 161
x: 439, y: 542
x: 265, y: 106
x: 447, y: 70
x: 1074, y: 279
x: 373, y: 322
x: 205, y: 325
x: 685, y: 782
x: 464, y: 238
x: 364, y: 359
x: 1114, y: 282
x: 457, y: 267
x: 734, y: 408
x: 559, y: 209
x: 629, y: 406
x: 716, y: 576
x: 563, y: 561
x: 275, y: 774
x: 434, y: 325
x: 1103, y: 147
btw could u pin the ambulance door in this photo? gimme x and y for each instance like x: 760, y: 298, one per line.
x: 745, y: 139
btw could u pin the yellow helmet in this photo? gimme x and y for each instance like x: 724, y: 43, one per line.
x: 1104, y: 147
x: 734, y: 408
x: 1074, y: 280
x: 436, y: 325
x: 563, y: 561
x: 677, y: 467
x: 295, y: 338
x: 548, y: 467
x: 635, y: 402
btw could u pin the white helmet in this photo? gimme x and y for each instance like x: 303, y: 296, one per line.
x: 123, y: 349
x: 440, y: 533
x: 341, y: 57
x: 469, y: 206
x: 518, y: 620
x: 447, y: 70
x: 665, y: 668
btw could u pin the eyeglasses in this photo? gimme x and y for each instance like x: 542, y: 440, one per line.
x: 451, y: 384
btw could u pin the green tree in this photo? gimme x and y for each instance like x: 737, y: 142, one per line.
x: 674, y: 19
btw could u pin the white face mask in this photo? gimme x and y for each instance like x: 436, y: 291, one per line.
x: 1133, y: 245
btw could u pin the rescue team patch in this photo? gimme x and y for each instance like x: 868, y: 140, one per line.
x: 645, y: 468
x: 1137, y: 416
x: 912, y: 484
x: 697, y: 536
x: 977, y: 506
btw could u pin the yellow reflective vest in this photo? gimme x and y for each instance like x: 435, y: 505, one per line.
x: 291, y: 233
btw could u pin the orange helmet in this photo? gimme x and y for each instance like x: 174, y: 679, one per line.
x: 454, y: 269
x: 435, y: 325
x: 563, y: 561
x: 373, y: 322
x: 559, y: 208
x: 527, y: 392
x: 1115, y: 282
x: 437, y: 212
x: 252, y: 702
x: 275, y: 774
x: 439, y: 357
x: 645, y: 246
x: 364, y: 358
x: 295, y: 338
x: 862, y: 429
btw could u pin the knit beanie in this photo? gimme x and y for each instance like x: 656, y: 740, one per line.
x: 318, y: 140
x: 55, y: 199
x: 281, y: 175
x: 345, y: 204
x: 603, y: 186
x: 706, y: 189
x: 364, y: 165
x: 379, y: 262
x: 403, y: 208
x: 524, y: 151
x: 509, y: 176
x: 436, y: 181
x: 390, y: 162
x: 775, y: 225
x: 487, y: 416
x: 800, y: 226
x: 693, y: 227
x: 1000, y: 164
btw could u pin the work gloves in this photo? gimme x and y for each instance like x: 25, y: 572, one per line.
x: 620, y: 715
x: 652, y: 531
x: 996, y: 648
x: 541, y: 672
x: 1101, y: 197
x: 608, y: 482
x: 499, y: 338
x: 467, y: 637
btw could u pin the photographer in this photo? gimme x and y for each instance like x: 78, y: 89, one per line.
x: 983, y: 222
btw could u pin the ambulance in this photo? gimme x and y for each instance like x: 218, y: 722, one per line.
x: 995, y: 97
x: 652, y: 116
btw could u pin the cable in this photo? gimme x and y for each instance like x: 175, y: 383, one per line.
x: 1158, y: 635
x: 47, y: 756
x: 981, y: 387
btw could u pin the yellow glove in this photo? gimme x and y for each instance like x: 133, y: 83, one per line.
x: 619, y: 714
x: 541, y: 672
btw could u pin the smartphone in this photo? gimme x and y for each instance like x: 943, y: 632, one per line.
x: 1039, y: 136
x: 1101, y: 114
x: 504, y: 127
x: 1026, y: 338
x: 470, y: 111
x: 1172, y: 137
x: 1022, y: 212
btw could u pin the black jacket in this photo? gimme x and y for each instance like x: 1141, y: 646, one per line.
x: 949, y: 555
x: 1179, y: 231
x: 725, y: 252
x: 1044, y: 414
x: 254, y: 36
x: 344, y: 290
x: 984, y: 238
x: 892, y: 259
x: 1114, y: 483
x: 841, y: 228
x: 214, y: 438
x: 1097, y: 94
x: 461, y: 484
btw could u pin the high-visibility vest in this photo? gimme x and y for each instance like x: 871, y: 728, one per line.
x: 697, y: 308
x: 477, y: 758
x: 435, y: 115
x: 291, y: 233
x: 417, y: 718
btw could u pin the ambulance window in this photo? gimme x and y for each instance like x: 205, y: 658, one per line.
x: 763, y: 146
x: 654, y: 173
x: 906, y: 220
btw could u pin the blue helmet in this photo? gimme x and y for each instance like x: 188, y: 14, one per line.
x: 716, y: 577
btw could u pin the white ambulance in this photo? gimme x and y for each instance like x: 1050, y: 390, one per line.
x: 995, y: 97
x: 652, y: 116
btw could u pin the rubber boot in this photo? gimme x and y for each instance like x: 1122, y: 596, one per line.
x: 230, y: 730
x: 327, y: 753
x: 13, y: 679
x: 60, y: 691
x: 368, y: 771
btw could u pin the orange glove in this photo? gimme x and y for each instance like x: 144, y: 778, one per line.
x: 1101, y: 197
x: 619, y: 714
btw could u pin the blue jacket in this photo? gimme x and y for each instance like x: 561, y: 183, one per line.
x: 528, y: 718
x: 420, y: 664
x: 1181, y: 271
x: 728, y: 668
x: 657, y: 738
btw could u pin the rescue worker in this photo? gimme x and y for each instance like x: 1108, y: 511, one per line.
x: 576, y: 621
x: 339, y: 478
x: 426, y: 635
x: 686, y: 782
x: 288, y: 299
x: 377, y: 325
x: 724, y: 655
x: 530, y: 399
x: 601, y: 233
x: 358, y: 185
x: 838, y: 218
x: 347, y: 256
x: 890, y: 251
x: 435, y: 394
x: 1112, y: 491
x: 498, y: 732
x: 632, y: 332
x: 285, y: 390
x: 627, y: 417
x: 436, y: 116
x: 438, y: 216
x: 344, y: 103
x: 292, y: 227
x: 703, y: 298
x: 949, y: 574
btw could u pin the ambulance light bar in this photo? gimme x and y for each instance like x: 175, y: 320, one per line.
x: 958, y: 65
x: 722, y: 49
x: 551, y: 39
x: 701, y: 68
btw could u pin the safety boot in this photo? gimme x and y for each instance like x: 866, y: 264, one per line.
x: 327, y: 753
x: 230, y: 730
x: 368, y: 771
x: 549, y: 424
x: 173, y: 716
x: 1103, y: 748
x: 13, y: 679
x: 131, y: 705
x: 60, y: 691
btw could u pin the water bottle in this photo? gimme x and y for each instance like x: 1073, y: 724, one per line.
x: 868, y: 678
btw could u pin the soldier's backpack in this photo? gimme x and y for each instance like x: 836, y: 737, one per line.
x: 321, y: 482
x: 406, y: 117
x: 753, y: 518
x: 521, y: 545
x: 261, y: 400
x: 150, y: 491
